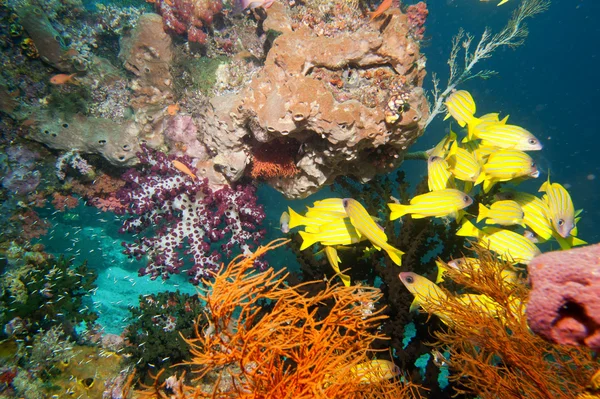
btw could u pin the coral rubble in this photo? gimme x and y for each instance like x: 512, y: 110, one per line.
x: 564, y: 304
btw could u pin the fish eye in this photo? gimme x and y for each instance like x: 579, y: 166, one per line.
x: 561, y: 222
x: 532, y: 141
x: 533, y: 164
x: 410, y: 280
x: 459, y: 262
x: 466, y: 198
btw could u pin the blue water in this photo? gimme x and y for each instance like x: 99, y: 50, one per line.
x: 550, y: 86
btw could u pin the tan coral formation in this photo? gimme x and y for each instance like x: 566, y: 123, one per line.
x: 331, y: 95
x: 147, y: 53
x: 116, y: 142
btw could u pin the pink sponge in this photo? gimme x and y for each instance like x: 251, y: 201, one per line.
x: 564, y: 304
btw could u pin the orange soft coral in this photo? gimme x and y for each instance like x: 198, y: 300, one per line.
x: 291, y: 351
x: 494, y: 354
x: 274, y: 159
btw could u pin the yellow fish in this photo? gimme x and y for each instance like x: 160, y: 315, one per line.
x: 482, y: 302
x: 441, y: 148
x: 334, y: 261
x: 313, y: 223
x: 440, y: 203
x: 284, y: 222
x: 463, y: 165
x: 460, y: 265
x: 438, y: 176
x: 461, y: 107
x: 535, y: 212
x: 336, y: 232
x: 495, y: 134
x: 426, y: 292
x: 505, y: 213
x: 509, y: 245
x: 331, y: 205
x: 560, y: 206
x: 375, y: 370
x: 366, y: 226
x: 505, y: 165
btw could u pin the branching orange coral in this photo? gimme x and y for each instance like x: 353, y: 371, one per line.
x: 493, y: 354
x: 288, y: 351
x: 274, y: 159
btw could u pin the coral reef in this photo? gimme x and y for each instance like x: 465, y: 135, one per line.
x: 290, y: 351
x: 563, y: 305
x: 157, y: 329
x: 116, y: 142
x: 48, y: 42
x: 169, y: 208
x: 38, y: 297
x: 146, y: 52
x: 330, y: 94
x: 189, y: 16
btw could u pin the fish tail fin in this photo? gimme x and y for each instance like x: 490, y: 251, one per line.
x: 488, y: 184
x: 480, y: 179
x: 502, y: 2
x: 468, y: 229
x: 398, y: 210
x: 483, y: 212
x: 441, y: 270
x: 395, y: 254
x: 471, y: 125
x: 468, y: 187
x: 295, y: 219
x: 308, y: 239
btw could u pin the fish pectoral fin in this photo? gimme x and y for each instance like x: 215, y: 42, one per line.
x: 414, y: 305
x: 418, y: 216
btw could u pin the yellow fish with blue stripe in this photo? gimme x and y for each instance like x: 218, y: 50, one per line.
x: 366, y: 226
x: 506, y: 165
x: 461, y: 106
x: 438, y: 175
x: 512, y: 137
x: 375, y: 370
x: 336, y: 232
x: 329, y: 205
x: 426, y: 292
x: 463, y: 165
x: 313, y: 222
x: 463, y: 264
x: 441, y: 203
x: 509, y: 245
x: 504, y: 213
x: 441, y: 148
x: 535, y: 212
x: 560, y: 207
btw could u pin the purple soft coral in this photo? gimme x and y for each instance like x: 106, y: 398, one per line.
x: 174, y: 208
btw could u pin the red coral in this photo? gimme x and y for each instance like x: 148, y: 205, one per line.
x: 417, y: 15
x: 274, y: 159
x: 62, y: 202
x: 31, y: 225
x: 191, y: 16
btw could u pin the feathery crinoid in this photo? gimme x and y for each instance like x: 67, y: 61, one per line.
x: 492, y: 352
x: 304, y: 346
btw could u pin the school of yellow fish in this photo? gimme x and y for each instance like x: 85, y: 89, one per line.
x: 491, y: 152
x: 336, y: 223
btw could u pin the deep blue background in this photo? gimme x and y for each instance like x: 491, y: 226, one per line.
x: 550, y: 86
